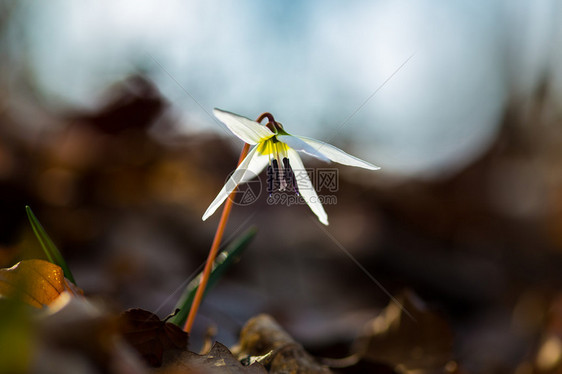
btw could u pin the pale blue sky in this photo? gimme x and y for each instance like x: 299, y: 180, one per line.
x: 313, y: 64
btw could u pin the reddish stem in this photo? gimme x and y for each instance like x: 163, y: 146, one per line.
x: 267, y: 115
x: 217, y: 241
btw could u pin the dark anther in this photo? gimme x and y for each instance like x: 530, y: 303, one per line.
x: 290, y: 175
x: 281, y: 178
x: 276, y: 171
x: 271, y: 180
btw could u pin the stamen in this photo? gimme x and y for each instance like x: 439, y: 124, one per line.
x: 277, y: 180
x: 270, y: 179
x: 282, y: 180
x: 280, y: 175
x: 290, y: 175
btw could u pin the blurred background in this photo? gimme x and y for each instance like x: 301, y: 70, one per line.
x: 106, y: 132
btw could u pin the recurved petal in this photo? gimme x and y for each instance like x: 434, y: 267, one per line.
x: 249, y: 131
x: 306, y: 189
x: 337, y: 155
x: 251, y: 166
x: 300, y: 145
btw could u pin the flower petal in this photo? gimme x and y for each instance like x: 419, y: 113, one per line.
x: 251, y: 166
x: 337, y: 155
x: 300, y: 145
x: 249, y: 131
x: 306, y: 189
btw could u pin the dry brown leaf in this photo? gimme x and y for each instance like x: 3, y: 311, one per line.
x: 548, y: 355
x: 412, y: 338
x: 150, y: 336
x: 36, y: 282
x: 219, y: 360
x: 262, y: 336
x: 76, y: 335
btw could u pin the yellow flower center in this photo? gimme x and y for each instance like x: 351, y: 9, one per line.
x: 273, y: 148
x: 280, y: 174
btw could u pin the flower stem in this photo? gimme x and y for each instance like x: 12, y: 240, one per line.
x: 212, y: 252
x: 267, y: 115
x: 217, y: 240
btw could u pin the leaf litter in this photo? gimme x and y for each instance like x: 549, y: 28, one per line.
x: 150, y: 336
x: 37, y: 282
x: 417, y: 341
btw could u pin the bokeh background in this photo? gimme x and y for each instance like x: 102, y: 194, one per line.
x: 105, y: 130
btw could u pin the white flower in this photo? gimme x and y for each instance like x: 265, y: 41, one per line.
x: 276, y: 148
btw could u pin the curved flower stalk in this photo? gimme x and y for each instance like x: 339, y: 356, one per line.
x: 276, y: 149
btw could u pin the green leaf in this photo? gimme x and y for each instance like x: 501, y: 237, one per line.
x: 50, y: 249
x: 223, y: 261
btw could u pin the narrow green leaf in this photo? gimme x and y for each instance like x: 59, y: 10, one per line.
x: 50, y: 249
x: 223, y: 261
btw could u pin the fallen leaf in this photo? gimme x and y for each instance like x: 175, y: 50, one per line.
x: 36, y: 282
x: 409, y: 337
x: 150, y: 336
x: 219, y: 360
x: 548, y: 354
x: 264, y: 341
x: 76, y: 335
